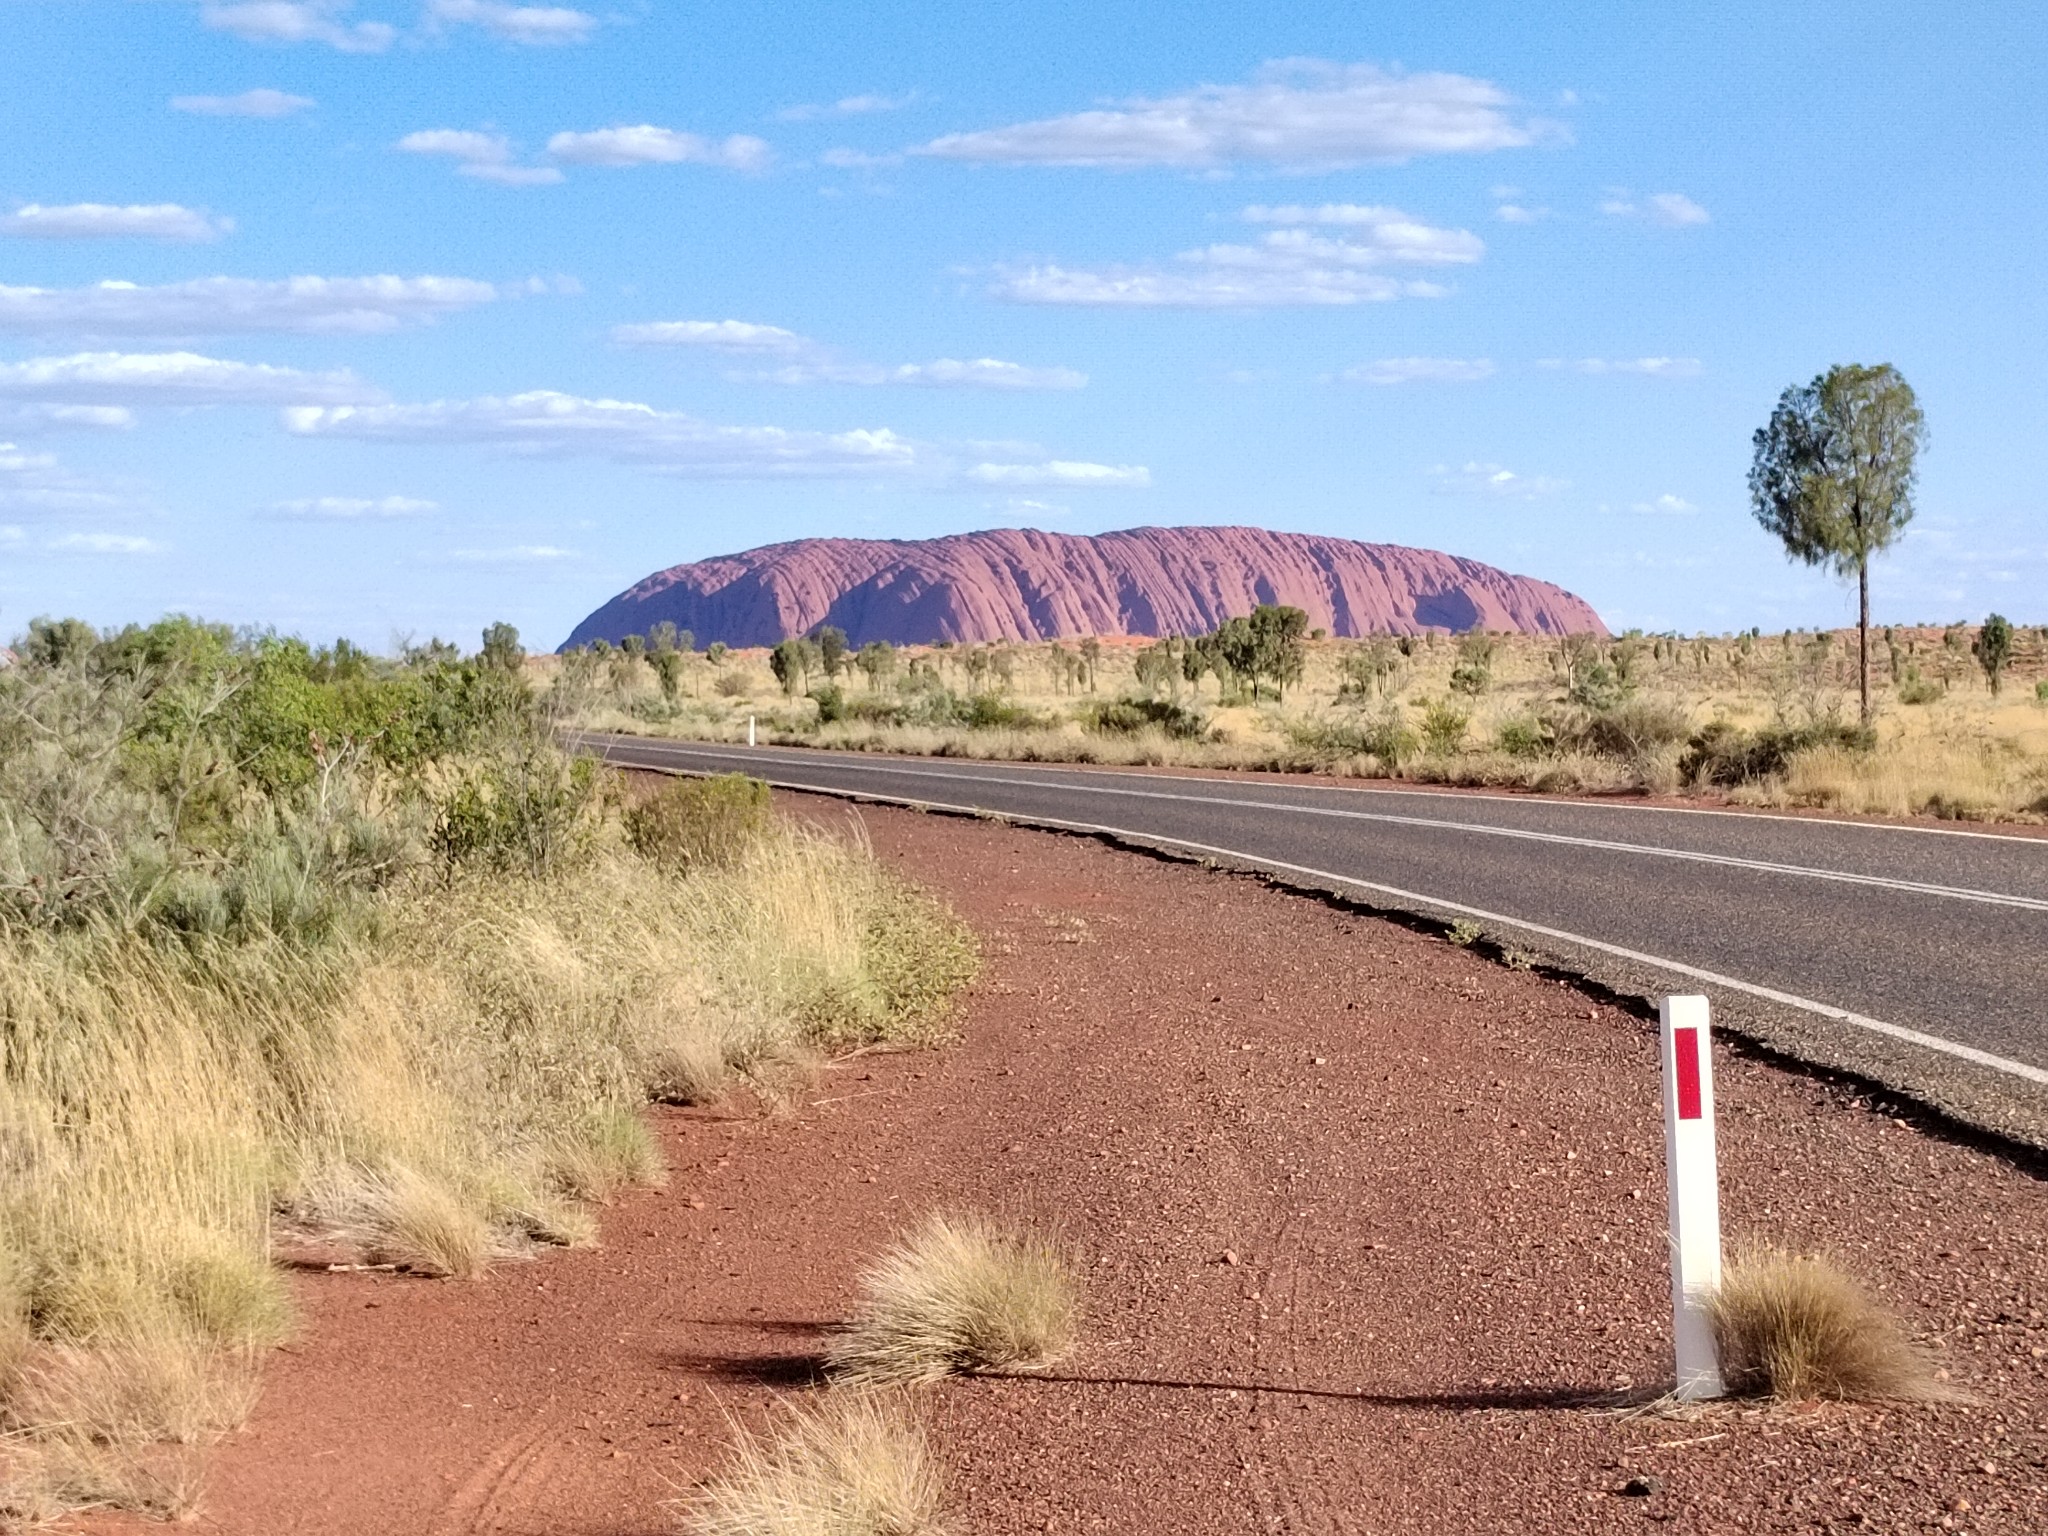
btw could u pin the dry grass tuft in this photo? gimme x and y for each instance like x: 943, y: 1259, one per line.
x: 1793, y: 1327
x: 852, y: 1465
x: 960, y: 1295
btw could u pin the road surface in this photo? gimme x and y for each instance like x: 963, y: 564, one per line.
x: 1917, y: 956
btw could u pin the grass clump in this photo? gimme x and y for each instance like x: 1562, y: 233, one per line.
x: 1793, y: 1326
x: 961, y: 1295
x: 851, y: 1464
x: 693, y: 822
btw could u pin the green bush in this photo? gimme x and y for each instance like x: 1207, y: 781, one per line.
x: 689, y: 823
x: 1630, y: 729
x: 1726, y: 755
x: 1127, y: 717
x: 1385, y: 736
x: 530, y: 808
x: 2041, y: 691
x: 1915, y: 689
x: 1443, y: 727
x: 1524, y: 737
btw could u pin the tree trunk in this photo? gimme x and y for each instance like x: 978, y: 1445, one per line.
x: 1863, y: 636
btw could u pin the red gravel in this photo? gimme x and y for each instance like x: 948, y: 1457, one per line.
x: 1367, y: 1222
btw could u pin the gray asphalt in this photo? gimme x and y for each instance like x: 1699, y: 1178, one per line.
x: 1922, y: 930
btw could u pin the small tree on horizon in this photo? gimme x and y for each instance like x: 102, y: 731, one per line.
x: 1833, y: 477
x: 1994, y: 649
x: 501, y: 648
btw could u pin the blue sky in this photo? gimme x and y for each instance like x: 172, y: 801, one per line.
x: 439, y: 311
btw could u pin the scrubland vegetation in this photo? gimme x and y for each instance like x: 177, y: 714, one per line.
x: 302, y: 951
x: 1794, y: 1327
x: 1960, y: 725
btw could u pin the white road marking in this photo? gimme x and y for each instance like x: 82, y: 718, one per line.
x: 1969, y: 1053
x: 1607, y: 845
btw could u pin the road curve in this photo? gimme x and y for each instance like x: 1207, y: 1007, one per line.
x: 1917, y: 956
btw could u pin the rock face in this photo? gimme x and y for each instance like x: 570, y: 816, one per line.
x: 1022, y: 584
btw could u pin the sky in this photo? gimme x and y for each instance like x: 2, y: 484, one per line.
x: 392, y: 318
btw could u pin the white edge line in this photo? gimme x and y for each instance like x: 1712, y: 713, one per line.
x: 1967, y: 1053
x: 1314, y: 783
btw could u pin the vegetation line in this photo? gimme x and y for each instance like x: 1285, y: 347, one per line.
x: 2001, y: 1064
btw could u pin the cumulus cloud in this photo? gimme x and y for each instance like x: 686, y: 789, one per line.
x: 1494, y: 481
x: 298, y: 21
x: 37, y: 484
x: 1648, y: 367
x: 645, y: 144
x: 1428, y: 370
x: 1296, y: 112
x: 486, y: 156
x: 1673, y: 210
x: 945, y: 373
x: 106, y: 221
x: 124, y: 379
x: 1334, y: 254
x: 548, y: 423
x: 1666, y: 505
x: 48, y: 417
x: 514, y: 554
x: 226, y: 305
x: 352, y: 508
x: 533, y: 25
x: 263, y: 102
x: 717, y: 335
x: 1067, y: 474
x: 105, y: 544
x: 845, y: 106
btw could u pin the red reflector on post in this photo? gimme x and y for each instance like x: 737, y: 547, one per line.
x: 1685, y: 1050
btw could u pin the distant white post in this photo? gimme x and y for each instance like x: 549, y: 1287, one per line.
x: 750, y: 730
x: 1694, y: 1183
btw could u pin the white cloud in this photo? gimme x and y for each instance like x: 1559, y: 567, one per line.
x: 105, y: 544
x: 1492, y: 480
x: 1295, y: 264
x: 486, y: 156
x: 533, y: 25
x: 1666, y: 505
x: 225, y: 305
x: 106, y: 221
x: 946, y: 373
x: 857, y: 160
x: 1025, y: 506
x: 1516, y: 213
x: 515, y: 554
x: 43, y: 417
x: 263, y: 102
x: 845, y: 106
x: 352, y: 508
x: 646, y: 144
x: 717, y: 335
x: 545, y: 422
x: 1067, y: 474
x: 298, y: 21
x: 1430, y: 370
x: 1673, y: 210
x: 36, y: 482
x: 174, y: 378
x: 1296, y: 112
x: 1649, y: 367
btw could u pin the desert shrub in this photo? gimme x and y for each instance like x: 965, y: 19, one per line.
x: 1793, y: 1327
x: 1630, y: 729
x: 1915, y: 689
x: 961, y: 1294
x: 849, y: 1464
x: 691, y: 822
x: 730, y: 685
x: 2041, y: 691
x: 530, y: 807
x: 1523, y: 736
x: 1726, y: 755
x: 1385, y: 736
x: 1443, y: 727
x: 1127, y: 717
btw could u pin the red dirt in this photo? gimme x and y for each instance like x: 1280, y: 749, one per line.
x: 1366, y: 1219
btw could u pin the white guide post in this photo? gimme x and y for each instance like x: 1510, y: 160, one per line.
x: 1694, y: 1182
x: 750, y: 730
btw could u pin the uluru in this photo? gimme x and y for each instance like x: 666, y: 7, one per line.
x: 1027, y: 584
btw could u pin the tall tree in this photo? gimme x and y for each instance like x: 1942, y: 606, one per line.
x: 1833, y: 477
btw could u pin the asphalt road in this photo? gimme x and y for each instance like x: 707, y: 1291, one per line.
x: 1917, y: 956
